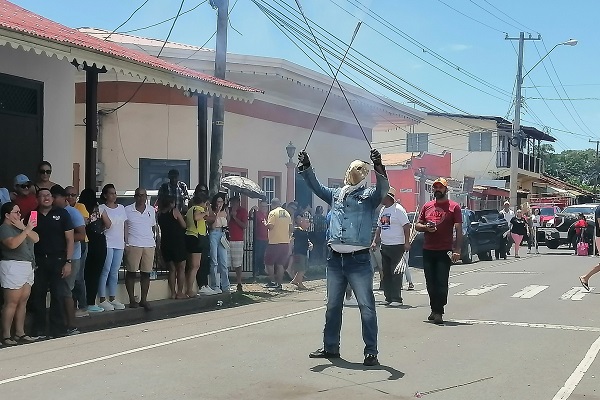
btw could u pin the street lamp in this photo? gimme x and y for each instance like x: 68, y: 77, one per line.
x: 291, y: 150
x: 516, y: 134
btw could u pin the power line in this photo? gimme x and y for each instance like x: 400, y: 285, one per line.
x: 105, y: 112
x: 163, y: 21
x: 127, y: 20
x: 506, y: 15
x: 564, y: 98
x: 495, y: 16
x: 471, y: 18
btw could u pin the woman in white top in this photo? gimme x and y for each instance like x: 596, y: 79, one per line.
x: 218, y: 252
x: 534, y: 225
x: 115, y: 245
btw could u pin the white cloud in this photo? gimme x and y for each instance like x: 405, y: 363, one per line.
x: 458, y: 47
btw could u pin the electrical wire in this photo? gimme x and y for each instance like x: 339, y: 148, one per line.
x: 209, y: 39
x: 506, y: 15
x: 163, y: 21
x: 106, y: 112
x: 424, y: 50
x: 494, y: 15
x: 565, y: 98
x: 127, y: 20
x: 471, y: 18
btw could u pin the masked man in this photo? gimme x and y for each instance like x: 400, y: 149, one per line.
x: 352, y: 213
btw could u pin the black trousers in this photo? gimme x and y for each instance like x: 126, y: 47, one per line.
x: 93, y: 266
x: 436, y: 264
x: 392, y: 283
x: 260, y: 246
x: 204, y: 270
x: 48, y: 277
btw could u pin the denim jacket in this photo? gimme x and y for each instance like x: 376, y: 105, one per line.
x: 351, y: 221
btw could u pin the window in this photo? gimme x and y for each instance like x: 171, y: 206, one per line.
x: 480, y: 141
x: 417, y: 142
x: 268, y: 185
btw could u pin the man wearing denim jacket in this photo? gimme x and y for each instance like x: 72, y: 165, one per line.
x: 352, y: 212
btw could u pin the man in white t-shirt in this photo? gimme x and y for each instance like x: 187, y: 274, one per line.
x: 508, y: 215
x: 393, y: 232
x: 139, y: 247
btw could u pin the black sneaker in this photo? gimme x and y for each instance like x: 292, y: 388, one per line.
x: 431, y: 317
x: 276, y: 288
x: 438, y: 320
x: 72, y: 331
x: 371, y: 360
x: 322, y: 353
x: 270, y: 285
x: 239, y: 287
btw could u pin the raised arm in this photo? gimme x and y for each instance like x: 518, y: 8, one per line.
x: 307, y: 172
x: 382, y: 185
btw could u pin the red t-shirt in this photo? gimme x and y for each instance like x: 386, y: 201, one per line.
x: 262, y: 233
x: 26, y: 204
x: 444, y: 214
x: 236, y: 232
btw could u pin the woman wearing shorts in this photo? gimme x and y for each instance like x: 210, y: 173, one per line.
x: 172, y: 244
x: 195, y: 235
x: 16, y: 271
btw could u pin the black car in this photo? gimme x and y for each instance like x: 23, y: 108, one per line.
x: 482, y: 234
x: 560, y: 230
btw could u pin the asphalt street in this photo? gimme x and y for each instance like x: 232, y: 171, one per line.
x: 516, y: 329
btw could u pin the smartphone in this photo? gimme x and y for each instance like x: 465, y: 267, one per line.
x: 33, y: 217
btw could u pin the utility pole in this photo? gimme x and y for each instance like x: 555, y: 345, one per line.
x: 517, y: 136
x: 596, y: 169
x: 216, y: 140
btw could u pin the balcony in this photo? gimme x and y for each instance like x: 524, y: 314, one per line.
x: 526, y: 161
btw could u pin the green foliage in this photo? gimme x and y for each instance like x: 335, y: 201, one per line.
x: 579, y: 167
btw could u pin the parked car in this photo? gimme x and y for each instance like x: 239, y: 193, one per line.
x: 557, y: 230
x: 482, y: 234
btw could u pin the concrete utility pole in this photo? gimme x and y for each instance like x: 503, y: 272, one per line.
x: 517, y: 136
x: 596, y: 169
x: 216, y: 141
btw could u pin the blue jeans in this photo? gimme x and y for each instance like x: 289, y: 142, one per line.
x: 218, y: 261
x: 79, y: 291
x: 356, y: 270
x: 110, y: 272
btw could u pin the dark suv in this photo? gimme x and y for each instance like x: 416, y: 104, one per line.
x: 559, y: 231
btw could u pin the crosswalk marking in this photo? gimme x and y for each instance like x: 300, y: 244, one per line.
x: 530, y: 291
x: 450, y: 286
x: 575, y: 293
x: 480, y: 290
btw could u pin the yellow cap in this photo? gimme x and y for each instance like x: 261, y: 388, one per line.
x: 443, y: 181
x: 392, y: 192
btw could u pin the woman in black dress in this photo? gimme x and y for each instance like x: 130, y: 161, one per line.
x: 172, y: 244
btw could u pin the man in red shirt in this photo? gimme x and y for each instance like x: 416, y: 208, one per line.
x: 438, y: 219
x: 238, y: 219
x: 24, y: 196
x: 261, y: 236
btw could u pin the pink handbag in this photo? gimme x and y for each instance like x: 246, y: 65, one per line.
x: 582, y: 249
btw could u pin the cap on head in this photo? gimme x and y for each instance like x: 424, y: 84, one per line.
x: 21, y: 179
x: 173, y: 172
x: 441, y: 181
x: 507, y: 203
x: 392, y: 193
x: 58, y: 190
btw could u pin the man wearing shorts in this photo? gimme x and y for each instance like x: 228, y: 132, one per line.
x: 279, y: 224
x: 139, y: 247
x: 238, y: 219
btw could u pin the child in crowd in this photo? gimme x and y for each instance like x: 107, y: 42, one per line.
x: 301, y: 246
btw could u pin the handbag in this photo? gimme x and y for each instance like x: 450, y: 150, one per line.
x: 224, y: 241
x: 582, y: 248
x: 96, y: 225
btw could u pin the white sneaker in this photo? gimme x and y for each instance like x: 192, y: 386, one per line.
x: 206, y: 291
x: 106, y: 306
x: 79, y: 313
x: 350, y: 302
x: 217, y: 291
x: 117, y: 305
x: 395, y: 304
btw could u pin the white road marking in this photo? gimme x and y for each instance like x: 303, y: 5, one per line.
x: 450, y: 286
x: 154, y: 346
x: 480, y: 290
x: 575, y: 293
x: 530, y: 325
x: 577, y: 375
x: 530, y: 291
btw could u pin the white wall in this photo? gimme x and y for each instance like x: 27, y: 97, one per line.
x: 59, y: 100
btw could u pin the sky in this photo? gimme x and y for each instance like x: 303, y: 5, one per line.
x: 449, y: 55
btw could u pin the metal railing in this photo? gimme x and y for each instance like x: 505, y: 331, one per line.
x: 526, y: 162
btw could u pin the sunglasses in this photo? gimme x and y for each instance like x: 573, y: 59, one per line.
x: 26, y: 186
x: 45, y: 171
x: 71, y: 194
